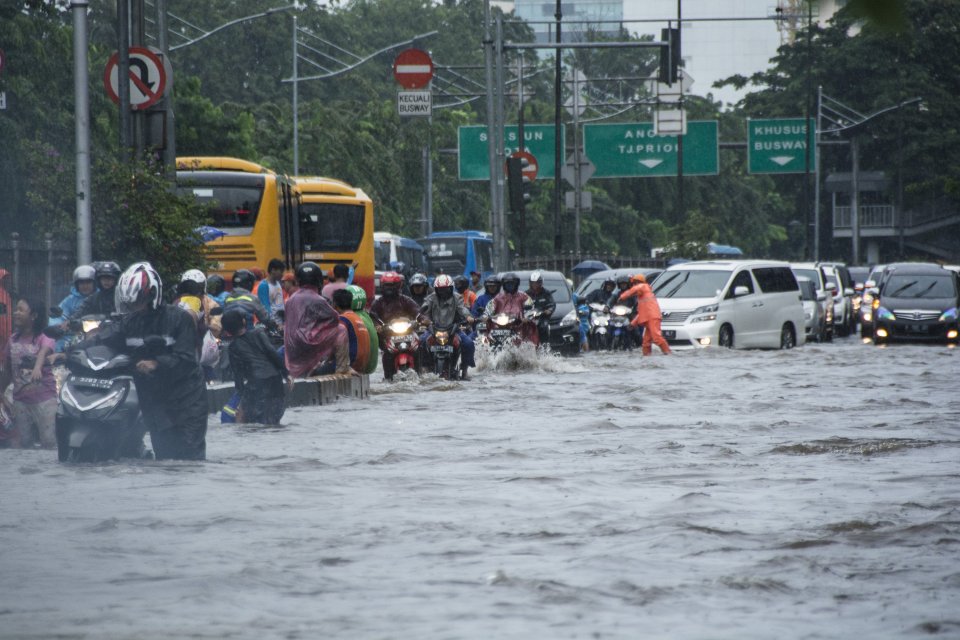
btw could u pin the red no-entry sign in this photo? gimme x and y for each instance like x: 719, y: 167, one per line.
x: 413, y: 68
x: 531, y: 169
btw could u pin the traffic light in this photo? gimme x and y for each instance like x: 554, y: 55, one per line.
x: 518, y: 184
x: 669, y: 56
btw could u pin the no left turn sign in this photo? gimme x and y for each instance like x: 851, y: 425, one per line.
x: 147, y: 81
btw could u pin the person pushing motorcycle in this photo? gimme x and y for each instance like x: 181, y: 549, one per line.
x: 648, y: 314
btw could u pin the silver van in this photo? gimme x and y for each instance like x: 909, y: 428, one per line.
x: 731, y: 303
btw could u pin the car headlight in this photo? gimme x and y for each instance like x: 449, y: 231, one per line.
x: 950, y: 315
x: 707, y: 313
x: 885, y: 314
x: 570, y: 319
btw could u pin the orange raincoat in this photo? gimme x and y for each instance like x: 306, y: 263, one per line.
x: 648, y: 314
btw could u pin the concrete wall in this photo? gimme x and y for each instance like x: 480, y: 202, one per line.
x: 306, y: 392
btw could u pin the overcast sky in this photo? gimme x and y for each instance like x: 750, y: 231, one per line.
x: 714, y: 50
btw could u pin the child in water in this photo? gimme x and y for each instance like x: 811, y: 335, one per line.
x: 259, y: 372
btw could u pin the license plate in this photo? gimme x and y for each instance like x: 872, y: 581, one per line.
x: 501, y: 333
x: 94, y: 383
x: 441, y: 349
x: 669, y: 334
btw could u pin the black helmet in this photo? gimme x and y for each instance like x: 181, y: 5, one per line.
x: 460, y: 283
x: 243, y: 279
x: 608, y: 281
x: 107, y: 268
x: 623, y: 281
x: 492, y: 282
x: 215, y: 284
x: 309, y: 273
x: 418, y: 280
x: 511, y: 282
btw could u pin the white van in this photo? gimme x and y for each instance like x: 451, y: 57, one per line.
x: 731, y: 303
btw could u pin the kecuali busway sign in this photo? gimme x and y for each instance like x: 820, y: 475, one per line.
x: 636, y: 151
x: 780, y: 146
x: 538, y: 139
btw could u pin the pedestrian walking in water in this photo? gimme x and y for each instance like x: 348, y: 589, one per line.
x: 648, y: 314
x: 259, y: 373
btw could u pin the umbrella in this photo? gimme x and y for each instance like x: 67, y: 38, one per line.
x: 210, y: 233
x: 715, y: 249
x: 590, y: 266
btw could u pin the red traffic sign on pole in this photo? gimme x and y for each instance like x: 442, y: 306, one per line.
x: 530, y: 170
x: 147, y: 82
x: 413, y: 68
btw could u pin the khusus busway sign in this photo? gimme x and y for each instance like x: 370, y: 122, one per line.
x: 780, y: 146
x: 538, y: 140
x: 636, y: 151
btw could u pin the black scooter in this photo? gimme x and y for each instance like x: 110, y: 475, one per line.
x: 98, y: 415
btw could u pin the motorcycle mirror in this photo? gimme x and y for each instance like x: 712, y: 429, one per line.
x: 55, y: 312
x: 216, y: 311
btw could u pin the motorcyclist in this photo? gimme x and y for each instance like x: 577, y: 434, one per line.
x: 602, y: 295
x: 217, y: 288
x: 511, y: 301
x: 359, y: 306
x: 491, y: 287
x: 462, y: 285
x: 191, y: 297
x: 419, y: 289
x: 162, y: 341
x: 445, y: 309
x: 392, y: 304
x: 84, y: 287
x: 103, y: 301
x: 623, y: 284
x: 243, y: 298
x: 314, y: 340
x: 542, y: 302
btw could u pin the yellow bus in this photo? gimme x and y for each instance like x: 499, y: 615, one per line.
x: 253, y: 211
x: 337, y: 227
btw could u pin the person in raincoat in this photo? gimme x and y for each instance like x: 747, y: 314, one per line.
x: 314, y: 340
x: 512, y: 301
x: 648, y: 314
x: 359, y: 306
x: 358, y: 338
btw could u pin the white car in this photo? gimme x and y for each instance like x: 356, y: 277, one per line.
x: 731, y: 303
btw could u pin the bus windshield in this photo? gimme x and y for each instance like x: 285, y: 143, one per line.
x: 447, y: 255
x: 329, y: 226
x: 381, y: 249
x: 232, y: 203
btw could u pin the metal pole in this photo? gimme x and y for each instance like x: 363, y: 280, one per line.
x: 816, y: 179
x: 82, y: 125
x: 806, y: 154
x: 520, y: 147
x: 492, y: 134
x: 296, y: 122
x: 169, y: 129
x: 48, y: 241
x: 558, y: 132
x: 429, y: 193
x: 855, y: 199
x: 123, y: 76
x: 576, y: 161
x: 501, y: 150
x: 15, y: 245
x: 425, y: 197
x: 137, y: 117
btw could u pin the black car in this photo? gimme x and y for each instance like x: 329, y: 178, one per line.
x: 564, y: 324
x: 918, y: 303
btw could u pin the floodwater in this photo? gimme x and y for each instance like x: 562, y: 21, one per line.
x: 813, y: 493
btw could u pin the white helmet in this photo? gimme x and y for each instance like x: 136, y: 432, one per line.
x: 443, y: 280
x: 84, y: 272
x: 194, y: 275
x: 140, y: 281
x: 536, y: 276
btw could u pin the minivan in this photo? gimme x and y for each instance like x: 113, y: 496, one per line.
x: 731, y: 303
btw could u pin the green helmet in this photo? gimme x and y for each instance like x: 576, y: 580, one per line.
x: 359, y: 297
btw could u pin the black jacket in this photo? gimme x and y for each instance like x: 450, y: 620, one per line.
x: 253, y: 358
x: 543, y: 301
x: 102, y: 302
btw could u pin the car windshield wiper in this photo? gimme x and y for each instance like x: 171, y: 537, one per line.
x: 676, y: 288
x: 903, y: 288
x: 922, y: 293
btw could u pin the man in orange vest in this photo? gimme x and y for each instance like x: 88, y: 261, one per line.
x: 648, y: 314
x: 357, y: 334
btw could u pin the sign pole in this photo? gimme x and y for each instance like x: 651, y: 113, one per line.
x: 557, y: 125
x: 501, y: 241
x: 123, y: 73
x: 169, y: 130
x: 520, y: 143
x: 82, y: 118
x: 491, y: 126
x: 576, y: 160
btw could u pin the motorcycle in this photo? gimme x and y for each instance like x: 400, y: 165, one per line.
x: 443, y: 345
x: 401, y: 347
x: 98, y: 414
x: 599, y: 336
x: 503, y: 329
x: 619, y: 328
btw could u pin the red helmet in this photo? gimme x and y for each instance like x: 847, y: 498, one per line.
x: 391, y: 277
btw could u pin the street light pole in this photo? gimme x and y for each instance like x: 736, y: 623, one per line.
x: 82, y: 123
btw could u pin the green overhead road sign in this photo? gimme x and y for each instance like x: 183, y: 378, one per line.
x: 780, y: 146
x: 538, y: 139
x: 634, y: 150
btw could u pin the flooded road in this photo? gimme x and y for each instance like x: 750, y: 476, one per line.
x: 813, y: 493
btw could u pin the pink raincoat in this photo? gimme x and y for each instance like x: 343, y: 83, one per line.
x: 312, y: 332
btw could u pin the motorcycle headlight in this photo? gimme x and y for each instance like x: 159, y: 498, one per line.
x: 706, y: 313
x: 950, y: 315
x: 501, y: 320
x: 884, y: 314
x: 400, y: 326
x: 108, y: 401
x: 570, y: 319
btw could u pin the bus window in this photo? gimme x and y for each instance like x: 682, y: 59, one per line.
x: 447, y: 255
x: 412, y: 257
x: 484, y: 253
x: 331, y: 226
x: 382, y: 254
x: 230, y: 207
